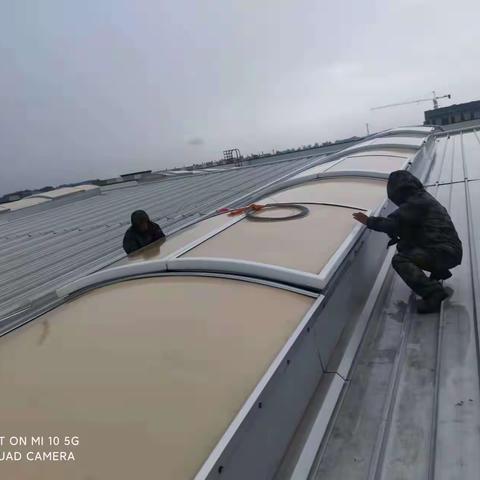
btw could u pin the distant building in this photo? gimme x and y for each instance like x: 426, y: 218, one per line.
x: 463, y: 112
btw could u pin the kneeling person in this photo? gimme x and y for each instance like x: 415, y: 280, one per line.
x: 426, y: 238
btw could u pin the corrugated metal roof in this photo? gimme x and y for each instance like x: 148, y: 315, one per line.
x: 46, y: 249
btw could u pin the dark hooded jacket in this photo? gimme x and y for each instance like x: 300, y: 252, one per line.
x: 420, y: 221
x: 135, y: 239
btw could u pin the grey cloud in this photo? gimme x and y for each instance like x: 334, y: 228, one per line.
x: 93, y: 89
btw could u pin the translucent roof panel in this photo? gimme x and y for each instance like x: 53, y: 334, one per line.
x: 411, y: 130
x: 25, y: 202
x: 87, y: 186
x: 318, y: 169
x: 390, y: 142
x: 369, y: 163
x: 391, y: 152
x: 354, y: 191
x: 149, y: 382
x: 176, y: 241
x: 411, y: 142
x: 304, y: 244
x: 63, y: 192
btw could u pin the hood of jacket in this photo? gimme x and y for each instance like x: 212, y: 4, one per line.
x: 402, y: 185
x: 138, y: 217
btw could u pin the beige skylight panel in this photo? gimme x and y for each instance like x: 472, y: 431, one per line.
x: 304, y: 244
x: 25, y: 202
x: 359, y: 192
x: 392, y: 152
x: 317, y: 169
x: 372, y: 163
x: 147, y: 373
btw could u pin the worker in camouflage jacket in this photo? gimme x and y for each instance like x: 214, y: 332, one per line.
x: 425, y: 236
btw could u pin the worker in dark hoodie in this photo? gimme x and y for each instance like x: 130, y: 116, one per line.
x: 141, y: 233
x: 425, y: 236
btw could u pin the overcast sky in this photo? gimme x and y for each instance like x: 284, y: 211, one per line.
x: 96, y: 88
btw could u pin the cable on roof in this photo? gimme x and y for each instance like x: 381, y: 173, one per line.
x: 251, y: 213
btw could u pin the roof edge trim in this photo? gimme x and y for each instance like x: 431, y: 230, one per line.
x: 111, y: 274
x: 281, y: 275
x: 305, y: 280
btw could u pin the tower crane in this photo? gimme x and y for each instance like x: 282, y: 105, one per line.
x: 434, y: 99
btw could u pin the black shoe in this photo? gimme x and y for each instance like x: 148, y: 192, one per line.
x: 432, y: 303
x: 441, y: 275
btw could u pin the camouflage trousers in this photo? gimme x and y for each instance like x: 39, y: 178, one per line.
x: 410, y: 265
